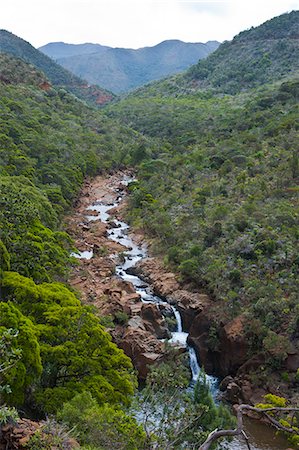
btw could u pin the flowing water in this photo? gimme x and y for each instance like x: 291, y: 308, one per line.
x: 261, y: 436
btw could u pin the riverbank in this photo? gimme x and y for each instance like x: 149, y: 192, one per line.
x: 137, y: 326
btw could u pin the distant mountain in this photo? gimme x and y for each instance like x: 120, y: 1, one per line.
x: 57, y: 75
x: 120, y: 69
x: 254, y: 57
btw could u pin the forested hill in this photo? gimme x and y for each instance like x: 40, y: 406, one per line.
x: 121, y: 69
x: 254, y: 57
x: 57, y: 75
x: 49, y: 341
x: 220, y: 200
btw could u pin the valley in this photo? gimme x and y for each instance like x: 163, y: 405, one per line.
x: 139, y: 312
x: 146, y: 242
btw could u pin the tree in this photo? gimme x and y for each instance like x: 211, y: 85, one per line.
x: 174, y: 416
x: 284, y: 419
x: 9, y: 355
x: 22, y: 367
x: 104, y: 426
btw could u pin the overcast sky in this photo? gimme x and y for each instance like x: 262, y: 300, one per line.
x: 135, y: 23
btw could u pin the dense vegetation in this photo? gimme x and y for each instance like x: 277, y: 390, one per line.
x: 55, y: 356
x: 216, y: 190
x: 57, y: 75
x: 254, y: 57
x: 220, y: 196
x: 49, y: 142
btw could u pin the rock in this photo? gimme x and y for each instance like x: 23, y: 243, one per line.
x: 233, y: 346
x: 254, y: 363
x: 153, y: 271
x: 154, y: 321
x: 246, y: 391
x: 258, y: 396
x: 230, y: 350
x: 166, y: 310
x: 189, y: 304
x: 136, y: 322
x: 17, y: 436
x: 198, y: 338
x: 143, y: 349
x: 292, y: 361
x: 225, y: 382
x: 232, y: 393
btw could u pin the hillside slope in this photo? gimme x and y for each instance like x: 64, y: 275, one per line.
x: 119, y: 69
x: 57, y: 75
x: 220, y: 199
x: 254, y: 57
x: 52, y: 346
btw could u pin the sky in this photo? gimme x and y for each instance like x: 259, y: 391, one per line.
x: 135, y: 23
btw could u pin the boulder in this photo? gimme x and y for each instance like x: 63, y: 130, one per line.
x: 292, y: 361
x: 17, y: 435
x: 154, y: 321
x: 143, y: 348
x: 189, y: 304
x: 229, y: 353
x: 232, y: 393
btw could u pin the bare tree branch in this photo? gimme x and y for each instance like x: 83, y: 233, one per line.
x: 217, y: 434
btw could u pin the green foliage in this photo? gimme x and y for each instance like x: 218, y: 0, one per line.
x: 225, y: 200
x: 287, y: 419
x: 9, y: 355
x: 121, y: 317
x: 101, y: 426
x: 216, y: 416
x: 76, y: 352
x: 4, y: 258
x: 275, y: 400
x: 255, y: 57
x: 13, y: 70
x: 8, y: 415
x: 23, y: 369
x: 49, y: 143
x: 172, y: 415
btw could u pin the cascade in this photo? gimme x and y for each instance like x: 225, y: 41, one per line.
x: 261, y: 436
x: 134, y: 253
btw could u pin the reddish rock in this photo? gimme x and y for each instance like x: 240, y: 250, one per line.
x: 143, y: 349
x: 232, y: 393
x: 292, y: 361
x: 16, y: 436
x: 246, y: 391
x: 45, y: 86
x: 253, y: 364
x: 189, y: 304
x: 153, y: 271
x: 154, y: 321
x: 231, y: 349
x: 225, y: 382
x: 233, y: 346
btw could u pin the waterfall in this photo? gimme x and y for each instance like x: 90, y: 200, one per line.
x: 132, y: 255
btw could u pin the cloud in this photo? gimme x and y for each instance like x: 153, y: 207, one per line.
x: 136, y: 23
x: 218, y: 8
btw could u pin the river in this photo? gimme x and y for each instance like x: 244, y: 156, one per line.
x: 260, y: 436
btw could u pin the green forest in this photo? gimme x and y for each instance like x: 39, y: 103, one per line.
x: 215, y: 151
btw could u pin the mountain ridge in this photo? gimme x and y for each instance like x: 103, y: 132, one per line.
x: 57, y: 75
x: 121, y: 69
x: 254, y: 57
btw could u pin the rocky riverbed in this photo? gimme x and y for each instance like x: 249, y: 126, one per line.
x: 138, y: 327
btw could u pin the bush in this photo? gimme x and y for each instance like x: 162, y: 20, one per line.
x: 102, y: 426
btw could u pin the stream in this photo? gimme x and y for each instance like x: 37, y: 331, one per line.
x: 261, y: 437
